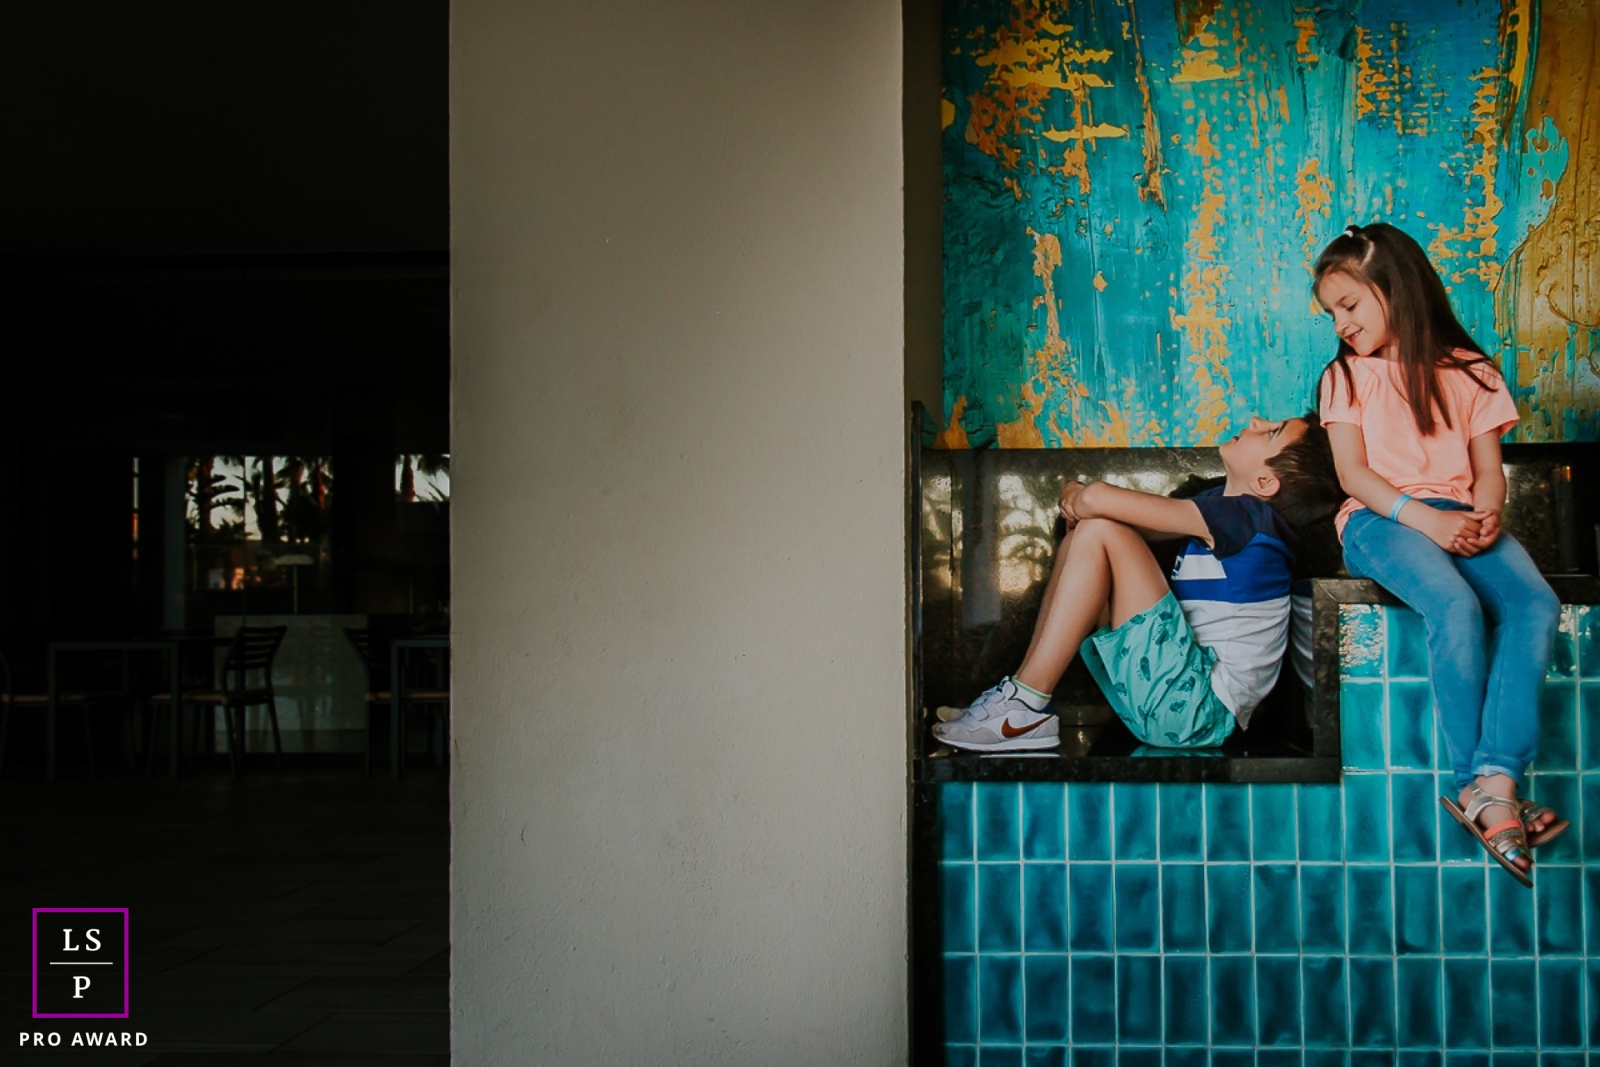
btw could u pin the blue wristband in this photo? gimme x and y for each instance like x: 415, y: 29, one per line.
x: 1394, y: 509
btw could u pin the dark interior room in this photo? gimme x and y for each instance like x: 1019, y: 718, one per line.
x: 224, y: 307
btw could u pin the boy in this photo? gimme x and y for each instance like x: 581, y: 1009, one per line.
x: 1181, y: 664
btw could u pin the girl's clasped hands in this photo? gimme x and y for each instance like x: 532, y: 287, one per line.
x: 1463, y: 533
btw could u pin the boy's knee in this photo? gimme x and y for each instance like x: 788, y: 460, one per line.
x: 1104, y: 529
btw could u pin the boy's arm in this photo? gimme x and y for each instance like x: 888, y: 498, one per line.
x: 1155, y: 517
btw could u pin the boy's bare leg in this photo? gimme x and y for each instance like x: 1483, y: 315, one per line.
x: 1051, y: 588
x: 1102, y: 568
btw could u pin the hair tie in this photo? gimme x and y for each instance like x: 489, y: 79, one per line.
x: 1352, y: 231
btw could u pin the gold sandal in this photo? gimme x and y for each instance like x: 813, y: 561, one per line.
x: 1505, y: 842
x: 1531, y: 810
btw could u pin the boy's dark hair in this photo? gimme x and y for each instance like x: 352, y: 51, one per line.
x: 1308, y: 484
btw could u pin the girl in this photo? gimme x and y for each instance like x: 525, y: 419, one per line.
x: 1415, y: 412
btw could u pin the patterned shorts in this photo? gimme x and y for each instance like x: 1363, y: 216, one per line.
x: 1157, y: 678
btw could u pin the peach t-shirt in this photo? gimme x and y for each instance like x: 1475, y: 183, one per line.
x: 1437, y: 467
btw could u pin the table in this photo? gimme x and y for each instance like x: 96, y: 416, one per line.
x: 318, y: 677
x: 55, y: 648
x: 397, y: 692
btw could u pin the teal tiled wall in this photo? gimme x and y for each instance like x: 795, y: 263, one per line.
x: 1355, y: 923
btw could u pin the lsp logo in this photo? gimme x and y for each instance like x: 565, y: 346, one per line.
x: 80, y: 963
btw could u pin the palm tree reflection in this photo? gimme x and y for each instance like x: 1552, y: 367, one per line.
x: 245, y: 511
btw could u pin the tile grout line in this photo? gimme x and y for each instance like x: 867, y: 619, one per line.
x: 1022, y: 924
x: 1111, y: 843
x: 1388, y: 811
x: 1066, y: 901
x: 1580, y: 620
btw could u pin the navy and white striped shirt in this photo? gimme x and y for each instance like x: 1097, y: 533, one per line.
x: 1235, y: 594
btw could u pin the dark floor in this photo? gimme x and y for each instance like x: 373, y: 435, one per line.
x: 287, y: 917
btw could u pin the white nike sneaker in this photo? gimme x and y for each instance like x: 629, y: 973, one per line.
x: 998, y: 691
x: 1000, y: 723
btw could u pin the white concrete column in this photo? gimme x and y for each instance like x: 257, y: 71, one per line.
x: 678, y: 800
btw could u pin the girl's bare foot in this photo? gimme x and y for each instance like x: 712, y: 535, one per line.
x: 1539, y: 821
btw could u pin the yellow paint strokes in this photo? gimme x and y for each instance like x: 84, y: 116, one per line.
x: 1120, y: 424
x: 998, y: 115
x: 1305, y: 32
x: 1200, y: 64
x: 1046, y: 260
x: 1255, y: 105
x: 1044, y: 62
x: 1064, y: 81
x: 1075, y: 164
x: 1384, y: 84
x: 947, y: 114
x: 1283, y: 103
x: 1051, y: 381
x: 954, y: 435
x: 1024, y: 432
x: 1313, y: 193
x: 1150, y: 188
x: 1099, y: 281
x: 1474, y: 240
x: 1370, y: 77
x: 1516, y: 22
x: 1113, y: 432
x: 1192, y: 16
x: 1204, y: 284
x: 1015, y: 187
x: 1046, y: 368
x: 1549, y: 300
x: 1104, y: 129
x: 1075, y: 158
x: 1032, y: 59
x: 1085, y: 55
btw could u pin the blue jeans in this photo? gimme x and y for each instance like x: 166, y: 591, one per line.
x: 1488, y: 709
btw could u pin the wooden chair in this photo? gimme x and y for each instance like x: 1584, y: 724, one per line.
x: 380, y: 693
x: 251, y: 651
x: 39, y: 703
x: 376, y: 692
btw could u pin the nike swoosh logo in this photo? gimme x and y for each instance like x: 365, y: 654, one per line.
x: 1007, y: 732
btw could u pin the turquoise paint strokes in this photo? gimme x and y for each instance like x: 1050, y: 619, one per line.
x: 1134, y: 193
x: 1534, y: 173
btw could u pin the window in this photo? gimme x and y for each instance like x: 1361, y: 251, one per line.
x: 245, y: 513
x: 422, y: 479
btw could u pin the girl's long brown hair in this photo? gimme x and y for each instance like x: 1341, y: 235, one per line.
x: 1420, y: 316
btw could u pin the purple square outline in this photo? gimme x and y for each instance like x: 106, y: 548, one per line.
x: 126, y: 964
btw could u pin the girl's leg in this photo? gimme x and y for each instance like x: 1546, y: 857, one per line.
x: 1525, y: 612
x: 1104, y: 567
x: 1425, y: 577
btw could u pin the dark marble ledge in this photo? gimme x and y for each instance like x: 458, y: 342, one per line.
x: 1569, y: 589
x: 1096, y: 747
x: 1053, y: 767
